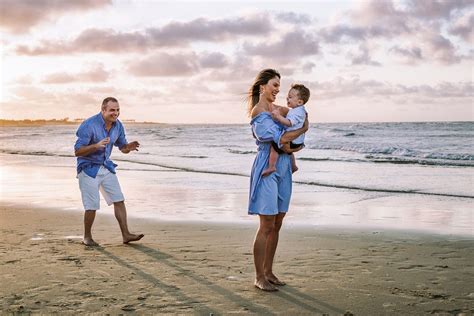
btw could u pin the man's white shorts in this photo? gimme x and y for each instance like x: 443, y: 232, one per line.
x: 106, y: 182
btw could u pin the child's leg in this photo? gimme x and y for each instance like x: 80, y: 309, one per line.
x: 294, y: 168
x: 271, y: 162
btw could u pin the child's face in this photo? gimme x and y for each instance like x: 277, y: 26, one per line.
x: 293, y: 99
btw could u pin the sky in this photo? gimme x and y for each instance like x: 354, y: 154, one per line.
x: 193, y: 61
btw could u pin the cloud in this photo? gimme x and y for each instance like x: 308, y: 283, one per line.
x: 418, y: 25
x: 354, y: 87
x: 165, y: 65
x: 409, y: 55
x: 441, y: 49
x: 436, y: 9
x: 363, y: 57
x: 307, y: 67
x: 294, y: 18
x: 97, y: 74
x: 292, y: 45
x: 202, y: 29
x: 371, y: 13
x: 464, y: 27
x: 19, y: 16
x: 336, y: 33
x: 178, y: 64
x: 174, y: 34
x: 213, y: 60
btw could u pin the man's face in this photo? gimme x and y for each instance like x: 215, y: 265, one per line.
x: 111, y: 112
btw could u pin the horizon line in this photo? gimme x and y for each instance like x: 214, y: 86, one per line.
x: 133, y: 121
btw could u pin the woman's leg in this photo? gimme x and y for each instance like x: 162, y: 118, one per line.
x: 267, y: 223
x: 272, y: 243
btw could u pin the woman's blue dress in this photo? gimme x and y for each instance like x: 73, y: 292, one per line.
x: 269, y: 195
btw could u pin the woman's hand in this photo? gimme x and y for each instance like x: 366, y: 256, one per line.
x: 306, y: 124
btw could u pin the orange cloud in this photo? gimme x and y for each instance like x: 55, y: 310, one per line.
x: 19, y: 16
x: 174, y: 34
x: 94, y: 75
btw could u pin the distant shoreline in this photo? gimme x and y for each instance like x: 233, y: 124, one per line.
x: 40, y: 122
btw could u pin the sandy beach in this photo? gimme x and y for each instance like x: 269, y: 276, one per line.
x: 200, y: 268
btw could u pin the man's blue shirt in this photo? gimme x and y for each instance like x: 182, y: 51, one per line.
x: 91, y: 132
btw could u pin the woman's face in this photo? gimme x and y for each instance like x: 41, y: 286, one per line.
x: 271, y: 89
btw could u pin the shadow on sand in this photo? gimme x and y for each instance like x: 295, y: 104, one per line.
x: 306, y: 303
x: 170, y: 289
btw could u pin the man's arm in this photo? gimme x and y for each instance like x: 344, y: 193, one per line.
x: 87, y: 150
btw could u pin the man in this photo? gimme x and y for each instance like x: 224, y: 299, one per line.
x: 95, y: 171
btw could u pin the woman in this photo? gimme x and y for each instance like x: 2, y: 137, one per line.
x: 270, y: 195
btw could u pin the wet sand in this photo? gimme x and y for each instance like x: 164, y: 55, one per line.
x: 200, y: 268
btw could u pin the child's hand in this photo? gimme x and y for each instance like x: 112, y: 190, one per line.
x: 275, y: 114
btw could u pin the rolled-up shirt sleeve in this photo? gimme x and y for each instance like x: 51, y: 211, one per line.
x: 121, y: 139
x: 266, y: 130
x: 84, y: 137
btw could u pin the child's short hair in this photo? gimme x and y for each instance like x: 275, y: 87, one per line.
x: 303, y: 92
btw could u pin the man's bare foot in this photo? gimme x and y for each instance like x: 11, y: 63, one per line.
x: 294, y: 169
x: 264, y: 285
x: 89, y: 242
x: 268, y: 171
x: 132, y: 237
x: 274, y: 280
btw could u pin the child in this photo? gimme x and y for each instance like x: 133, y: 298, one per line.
x: 296, y: 99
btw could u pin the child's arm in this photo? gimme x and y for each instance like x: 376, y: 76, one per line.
x: 276, y: 115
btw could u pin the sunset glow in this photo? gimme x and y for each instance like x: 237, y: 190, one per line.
x: 193, y: 61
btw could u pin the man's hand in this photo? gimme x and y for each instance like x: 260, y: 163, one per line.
x: 133, y: 146
x: 103, y: 143
x: 130, y: 147
x: 90, y: 149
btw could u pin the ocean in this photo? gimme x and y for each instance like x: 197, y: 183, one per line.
x: 345, y: 168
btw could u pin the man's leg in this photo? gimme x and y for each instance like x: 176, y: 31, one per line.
x: 90, y: 199
x: 112, y: 193
x: 121, y: 216
x: 89, y: 217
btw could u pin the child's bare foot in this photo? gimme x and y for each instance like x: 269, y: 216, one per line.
x: 268, y: 171
x: 294, y: 169
x: 132, y: 237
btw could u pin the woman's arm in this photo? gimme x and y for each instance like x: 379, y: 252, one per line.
x: 287, y: 148
x: 291, y: 135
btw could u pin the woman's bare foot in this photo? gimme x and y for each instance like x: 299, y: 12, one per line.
x: 274, y: 280
x: 89, y: 242
x: 294, y: 169
x: 132, y: 237
x: 264, y: 285
x: 268, y: 171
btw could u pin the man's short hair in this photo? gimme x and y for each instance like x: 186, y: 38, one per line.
x: 303, y: 92
x: 107, y: 100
